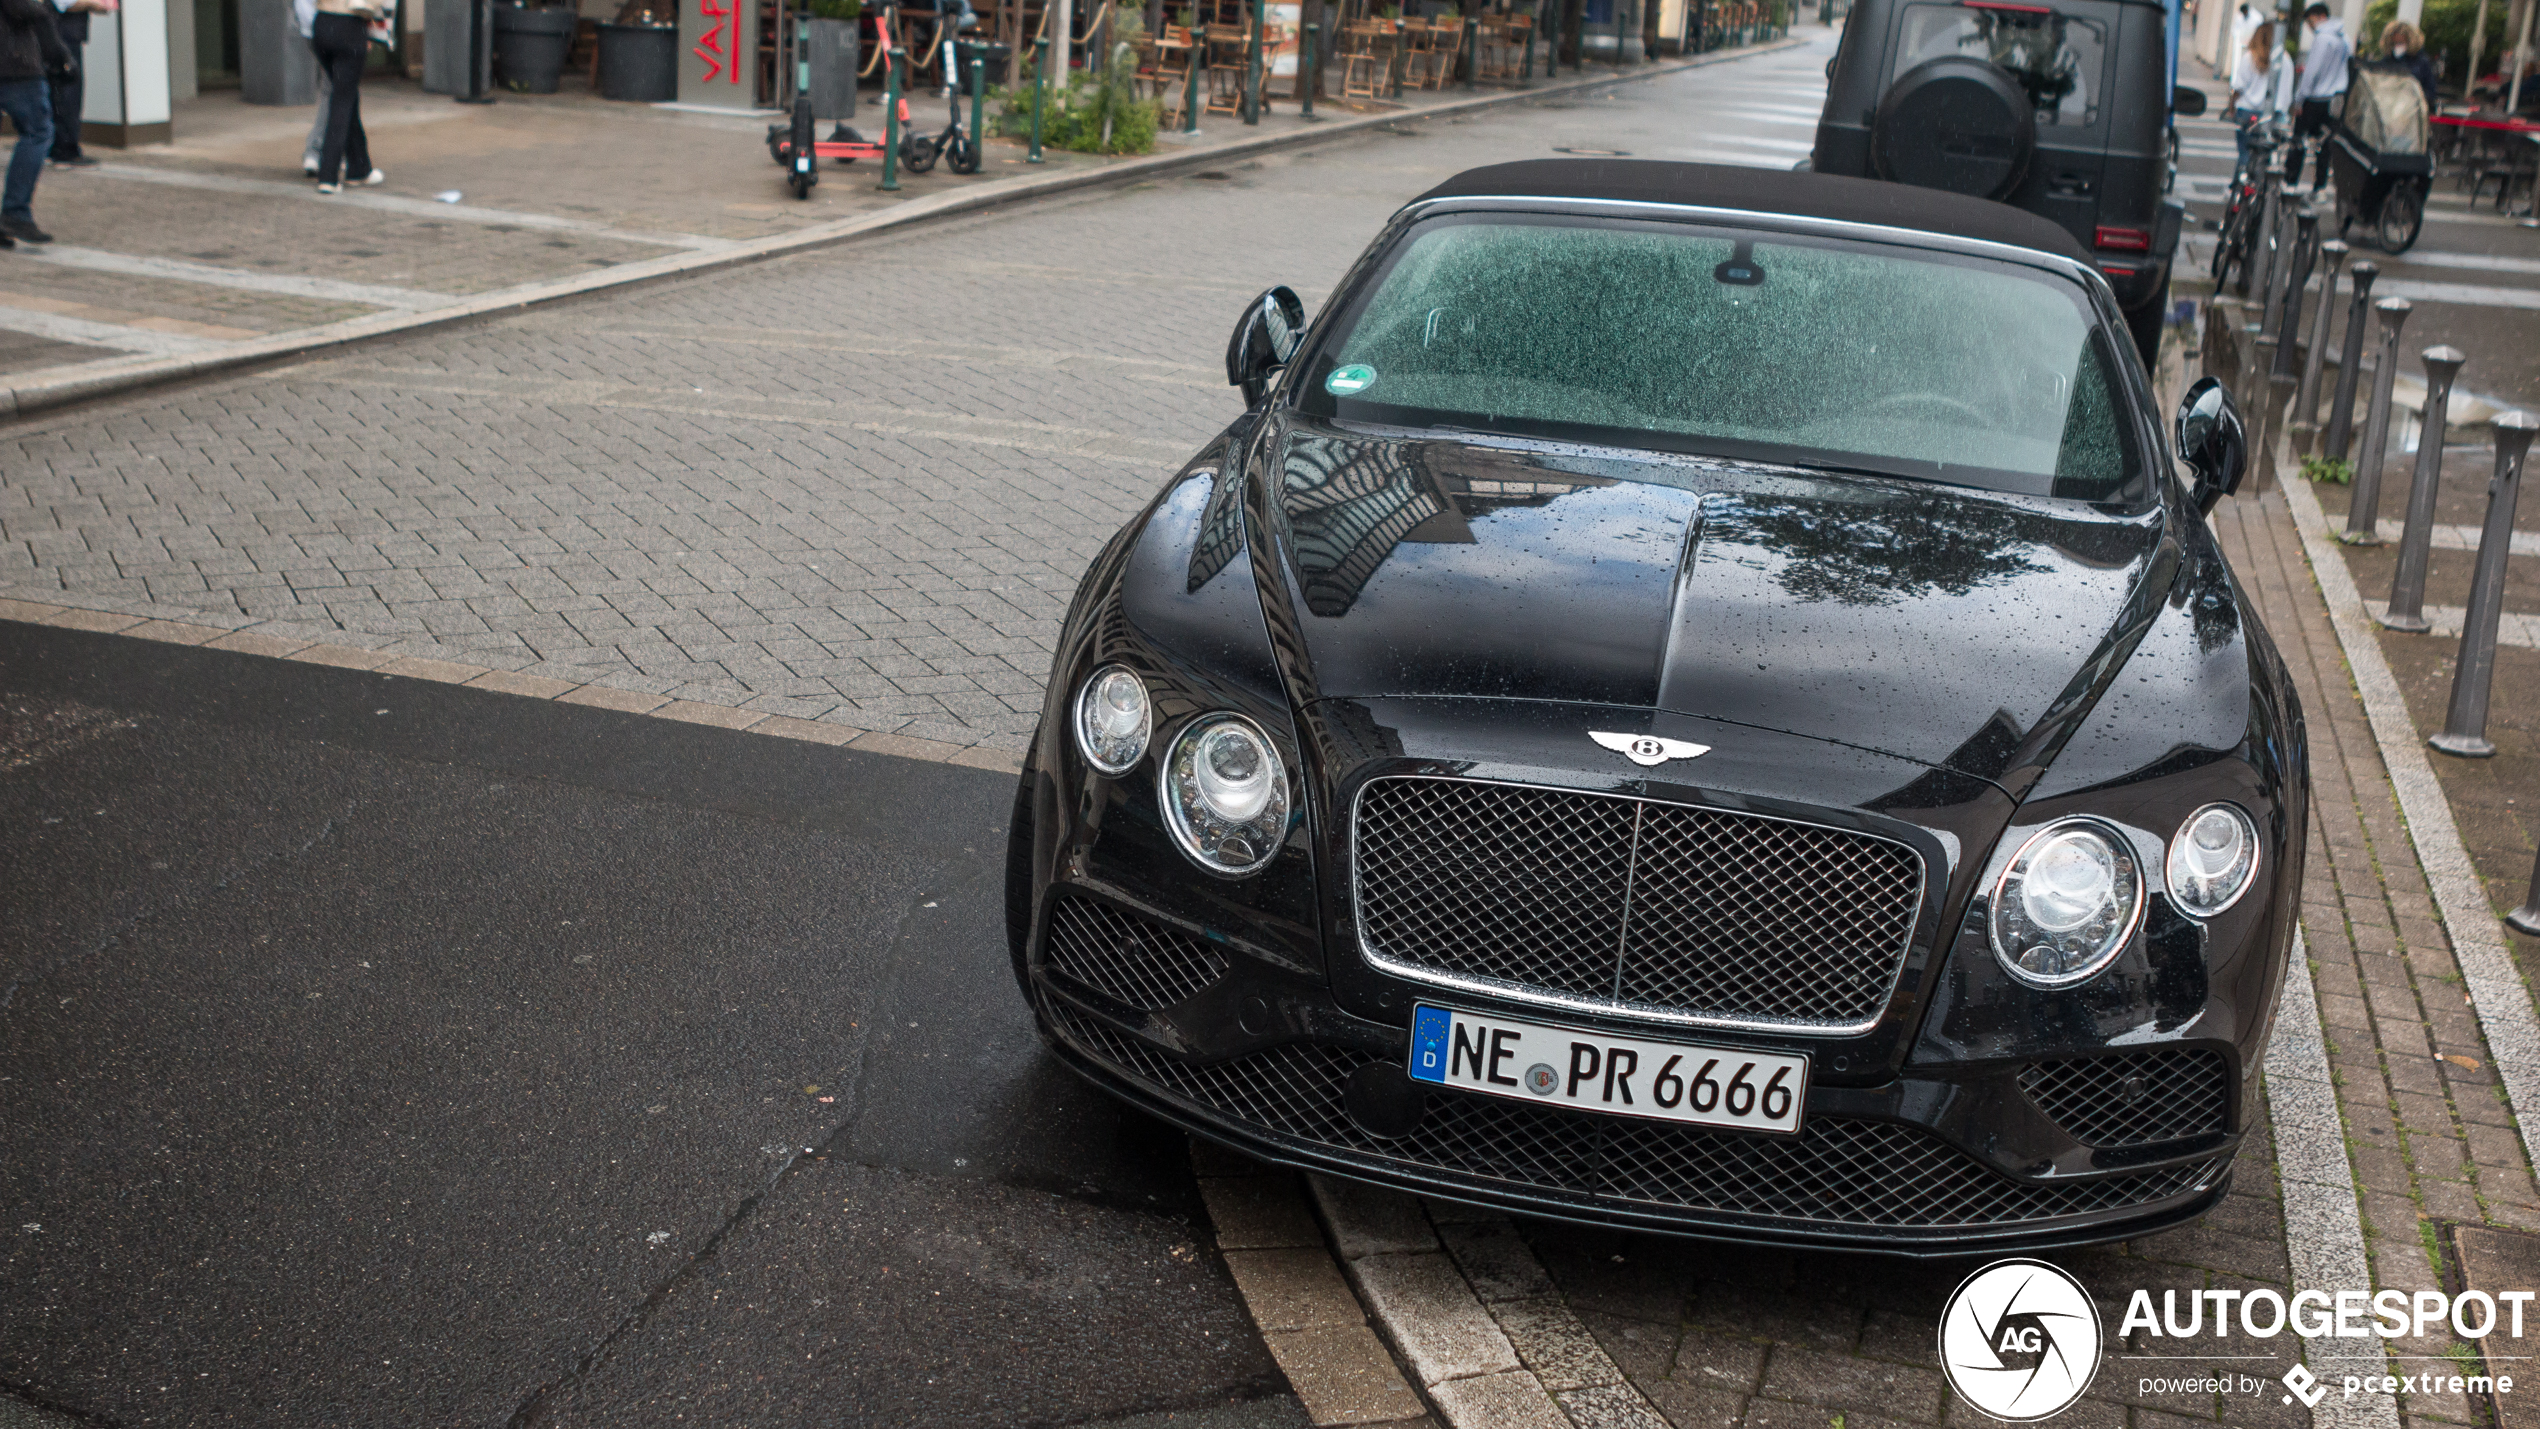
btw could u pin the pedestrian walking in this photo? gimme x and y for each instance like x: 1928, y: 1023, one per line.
x: 2259, y: 78
x: 70, y: 87
x: 304, y: 13
x: 2403, y: 46
x: 31, y: 52
x: 2324, y: 58
x: 341, y: 36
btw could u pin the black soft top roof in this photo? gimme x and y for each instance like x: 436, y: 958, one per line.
x: 1765, y: 191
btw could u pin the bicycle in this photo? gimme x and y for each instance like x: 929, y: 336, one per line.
x: 2252, y: 210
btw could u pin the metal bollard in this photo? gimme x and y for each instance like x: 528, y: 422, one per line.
x: 978, y: 111
x: 2341, y: 416
x: 2306, y: 405
x: 1472, y: 52
x: 2363, y: 513
x: 1526, y: 66
x: 1190, y: 87
x: 1040, y: 87
x: 2296, y: 276
x: 894, y: 69
x: 1309, y: 70
x: 2526, y: 919
x: 1252, y: 67
x: 2416, y: 541
x: 2465, y: 725
x: 2267, y: 252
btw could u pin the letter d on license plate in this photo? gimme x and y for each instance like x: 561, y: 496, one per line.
x: 1622, y: 1076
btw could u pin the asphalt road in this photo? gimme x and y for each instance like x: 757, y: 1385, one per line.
x: 380, y: 1052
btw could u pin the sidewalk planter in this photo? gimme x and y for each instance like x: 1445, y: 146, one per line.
x: 530, y: 45
x: 639, y: 63
x: 835, y: 49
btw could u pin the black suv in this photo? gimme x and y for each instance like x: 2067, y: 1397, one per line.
x: 2059, y: 109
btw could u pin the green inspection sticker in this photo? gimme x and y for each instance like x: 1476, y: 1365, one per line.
x: 1350, y: 381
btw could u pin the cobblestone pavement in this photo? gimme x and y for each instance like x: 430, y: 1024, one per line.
x: 855, y: 486
x: 850, y: 486
x: 172, y: 250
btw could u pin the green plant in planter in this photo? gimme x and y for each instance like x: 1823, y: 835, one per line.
x: 835, y: 9
x: 2328, y: 469
x: 1098, y: 113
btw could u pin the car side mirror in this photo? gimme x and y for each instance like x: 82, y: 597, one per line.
x: 1264, y: 339
x: 2186, y: 102
x: 2211, y: 441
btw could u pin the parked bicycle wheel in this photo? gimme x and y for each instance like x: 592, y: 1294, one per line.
x: 2401, y: 218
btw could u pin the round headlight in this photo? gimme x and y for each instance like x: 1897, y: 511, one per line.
x: 1225, y: 794
x: 1113, y: 720
x: 2065, y: 906
x: 2213, y: 860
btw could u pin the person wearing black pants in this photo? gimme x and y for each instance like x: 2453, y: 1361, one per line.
x: 70, y: 86
x: 341, y: 38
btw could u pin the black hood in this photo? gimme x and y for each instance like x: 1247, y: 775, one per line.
x: 1933, y: 623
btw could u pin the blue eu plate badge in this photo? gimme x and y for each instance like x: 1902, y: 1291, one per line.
x: 1429, y: 1029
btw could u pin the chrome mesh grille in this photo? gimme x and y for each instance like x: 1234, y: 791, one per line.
x: 1626, y: 901
x: 1836, y: 1171
x: 1135, y: 960
x: 2135, y: 1098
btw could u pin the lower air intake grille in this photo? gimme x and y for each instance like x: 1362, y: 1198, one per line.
x: 2133, y: 1099
x: 1131, y: 959
x: 1838, y: 1171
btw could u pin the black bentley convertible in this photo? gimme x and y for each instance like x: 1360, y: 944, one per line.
x: 1694, y: 698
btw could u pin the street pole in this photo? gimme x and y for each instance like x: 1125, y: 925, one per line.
x: 1472, y: 52
x: 2306, y: 403
x: 480, y: 53
x: 1190, y: 89
x: 1252, y: 67
x: 1309, y: 69
x: 1526, y: 66
x: 2363, y: 513
x: 2416, y: 541
x: 894, y: 62
x: 978, y: 103
x: 2474, y: 673
x: 2341, y: 416
x: 1040, y: 89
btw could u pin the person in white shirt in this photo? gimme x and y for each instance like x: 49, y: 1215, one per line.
x: 2260, y: 79
x: 2324, y: 59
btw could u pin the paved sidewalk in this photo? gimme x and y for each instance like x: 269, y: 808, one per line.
x: 216, y: 245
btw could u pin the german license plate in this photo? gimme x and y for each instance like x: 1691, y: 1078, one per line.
x: 1625, y: 1076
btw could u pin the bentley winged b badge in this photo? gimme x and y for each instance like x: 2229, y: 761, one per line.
x: 1647, y: 749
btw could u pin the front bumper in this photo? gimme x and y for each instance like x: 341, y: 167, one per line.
x: 1260, y: 1058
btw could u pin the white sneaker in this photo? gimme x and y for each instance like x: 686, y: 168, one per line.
x: 377, y: 177
x: 308, y: 168
x: 330, y: 188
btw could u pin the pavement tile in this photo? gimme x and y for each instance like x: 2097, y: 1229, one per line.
x: 603, y: 697
x: 1294, y: 1289
x: 344, y: 657
x: 513, y: 682
x: 1343, y: 1375
x: 720, y: 716
x: 249, y: 642
x: 448, y: 672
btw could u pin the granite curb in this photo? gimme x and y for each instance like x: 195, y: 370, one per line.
x: 49, y: 388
